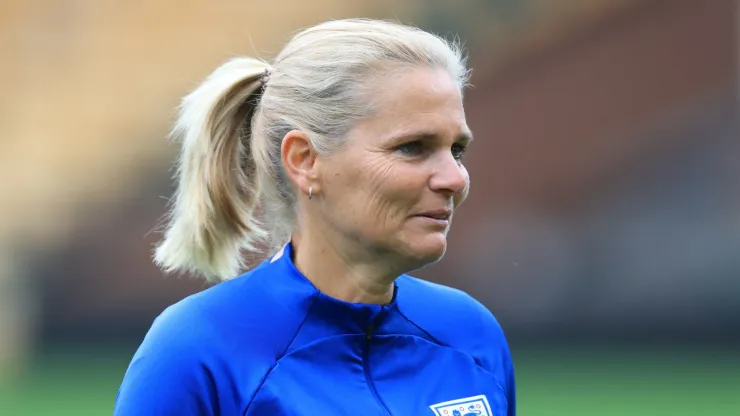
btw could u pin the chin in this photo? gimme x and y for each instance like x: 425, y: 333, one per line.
x: 427, y: 250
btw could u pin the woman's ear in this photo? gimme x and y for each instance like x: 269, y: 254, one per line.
x: 299, y: 161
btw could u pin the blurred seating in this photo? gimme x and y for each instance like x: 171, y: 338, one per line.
x: 568, y: 96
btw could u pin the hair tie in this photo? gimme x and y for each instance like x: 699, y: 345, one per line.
x: 265, y: 78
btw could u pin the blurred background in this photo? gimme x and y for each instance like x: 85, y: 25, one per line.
x: 603, y: 229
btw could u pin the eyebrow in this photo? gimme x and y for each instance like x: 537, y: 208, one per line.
x: 465, y: 136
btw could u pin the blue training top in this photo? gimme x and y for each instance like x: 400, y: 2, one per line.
x: 269, y: 343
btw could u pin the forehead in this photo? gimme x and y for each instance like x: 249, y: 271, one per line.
x: 417, y: 98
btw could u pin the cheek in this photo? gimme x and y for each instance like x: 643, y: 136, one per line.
x: 372, y: 193
x: 390, y: 190
x: 387, y: 188
x: 364, y: 188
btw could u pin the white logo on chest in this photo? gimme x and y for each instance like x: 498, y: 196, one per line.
x: 469, y: 406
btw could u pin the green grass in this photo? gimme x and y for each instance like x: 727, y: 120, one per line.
x: 68, y: 383
x: 654, y: 383
x: 589, y: 382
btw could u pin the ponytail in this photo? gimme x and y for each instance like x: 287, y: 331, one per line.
x: 212, y: 212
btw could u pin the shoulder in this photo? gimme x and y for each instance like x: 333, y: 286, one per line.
x: 445, y: 309
x: 206, y: 315
x: 188, y: 328
x: 248, y: 311
x: 249, y: 308
x: 455, y: 319
x: 165, y: 375
x: 225, y: 338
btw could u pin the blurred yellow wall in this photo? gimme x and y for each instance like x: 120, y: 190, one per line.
x: 89, y: 87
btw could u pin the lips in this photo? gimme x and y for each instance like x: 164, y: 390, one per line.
x: 440, y: 214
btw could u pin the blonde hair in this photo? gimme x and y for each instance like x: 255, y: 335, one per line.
x: 232, y: 192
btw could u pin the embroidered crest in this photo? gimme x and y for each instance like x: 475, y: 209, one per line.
x: 469, y: 406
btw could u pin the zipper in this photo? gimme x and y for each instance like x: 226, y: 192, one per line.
x: 366, y: 369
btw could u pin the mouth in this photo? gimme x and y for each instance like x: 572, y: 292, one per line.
x: 441, y: 216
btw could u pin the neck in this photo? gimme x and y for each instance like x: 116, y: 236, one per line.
x: 342, y: 274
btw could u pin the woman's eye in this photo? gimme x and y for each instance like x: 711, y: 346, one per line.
x: 411, y: 148
x: 458, y: 150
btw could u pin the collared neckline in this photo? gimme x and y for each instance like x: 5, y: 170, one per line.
x: 347, y: 317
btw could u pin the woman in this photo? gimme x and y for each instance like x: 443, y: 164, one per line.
x: 348, y: 148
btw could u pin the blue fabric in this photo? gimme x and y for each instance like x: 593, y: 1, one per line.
x: 269, y: 343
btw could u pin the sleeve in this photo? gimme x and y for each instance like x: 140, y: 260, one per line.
x: 510, y: 382
x: 498, y: 354
x: 169, y: 374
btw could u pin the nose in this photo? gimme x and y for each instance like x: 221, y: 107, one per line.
x: 449, y: 177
